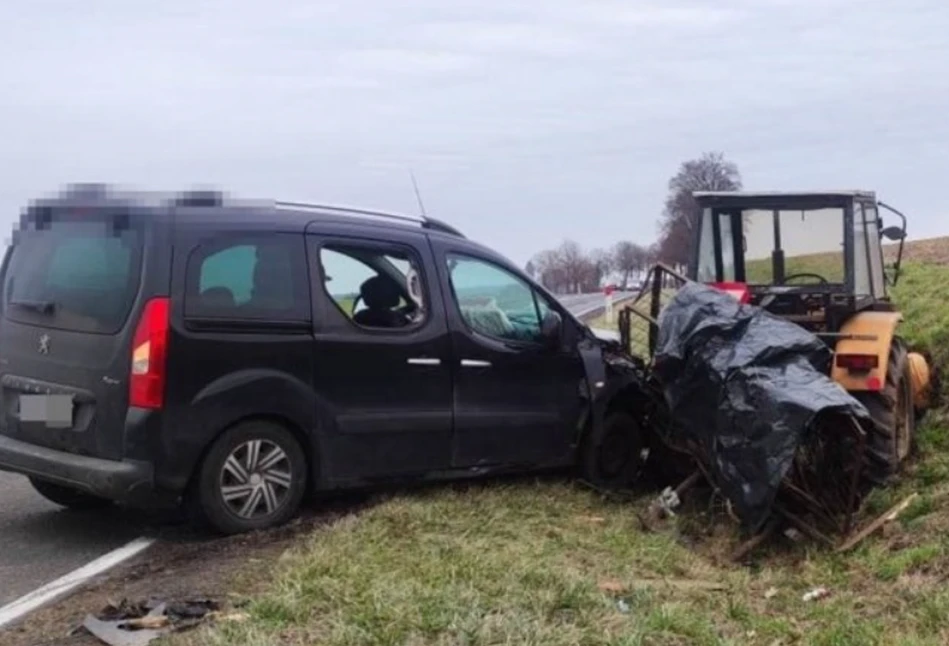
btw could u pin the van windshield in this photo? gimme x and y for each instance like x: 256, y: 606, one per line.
x: 73, y: 273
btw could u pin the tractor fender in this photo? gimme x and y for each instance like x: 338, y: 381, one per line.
x: 866, y: 333
x: 921, y: 379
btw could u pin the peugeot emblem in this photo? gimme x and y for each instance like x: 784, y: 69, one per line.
x: 44, y: 344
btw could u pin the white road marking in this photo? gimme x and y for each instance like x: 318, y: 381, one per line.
x: 26, y: 604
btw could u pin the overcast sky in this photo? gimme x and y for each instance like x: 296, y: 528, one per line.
x: 526, y: 122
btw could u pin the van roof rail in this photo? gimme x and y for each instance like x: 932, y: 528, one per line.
x: 423, y: 221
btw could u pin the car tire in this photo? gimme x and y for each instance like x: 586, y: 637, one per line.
x: 614, y: 455
x: 69, y: 497
x: 253, y: 477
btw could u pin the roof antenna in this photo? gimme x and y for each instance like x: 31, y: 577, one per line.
x: 418, y: 196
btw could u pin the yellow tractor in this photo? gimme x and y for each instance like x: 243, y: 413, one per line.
x: 817, y: 259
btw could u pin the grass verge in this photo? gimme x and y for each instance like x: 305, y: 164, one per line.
x: 552, y: 563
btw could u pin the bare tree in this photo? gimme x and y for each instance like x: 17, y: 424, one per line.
x: 568, y: 269
x: 629, y: 258
x: 710, y: 172
x: 575, y: 265
x: 602, y: 263
x: 531, y: 269
x: 550, y: 271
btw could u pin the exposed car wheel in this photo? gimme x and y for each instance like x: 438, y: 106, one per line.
x: 613, y: 456
x: 69, y: 497
x: 253, y: 477
x: 891, y: 435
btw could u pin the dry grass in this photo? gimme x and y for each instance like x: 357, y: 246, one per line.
x: 551, y: 563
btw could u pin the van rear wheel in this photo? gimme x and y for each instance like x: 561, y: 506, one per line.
x: 254, y: 477
x: 69, y: 497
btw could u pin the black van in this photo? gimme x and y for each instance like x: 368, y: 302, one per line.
x: 235, y: 356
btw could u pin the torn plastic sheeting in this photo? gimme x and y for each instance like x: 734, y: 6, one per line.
x: 745, y: 385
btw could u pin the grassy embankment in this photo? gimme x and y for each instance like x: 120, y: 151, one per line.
x: 552, y: 563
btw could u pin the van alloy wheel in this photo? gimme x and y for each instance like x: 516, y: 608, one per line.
x: 256, y: 478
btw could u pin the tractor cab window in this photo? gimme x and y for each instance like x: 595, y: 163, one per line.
x: 867, y: 252
x: 707, y: 256
x: 716, y: 259
x: 793, y: 247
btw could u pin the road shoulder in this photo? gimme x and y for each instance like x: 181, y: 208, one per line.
x: 184, y: 568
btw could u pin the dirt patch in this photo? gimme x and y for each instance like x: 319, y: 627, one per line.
x: 181, y: 566
x: 932, y: 250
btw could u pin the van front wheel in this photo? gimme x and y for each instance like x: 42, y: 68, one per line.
x: 614, y: 455
x: 254, y: 477
x: 68, y: 497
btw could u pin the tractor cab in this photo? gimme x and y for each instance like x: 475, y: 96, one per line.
x: 813, y: 258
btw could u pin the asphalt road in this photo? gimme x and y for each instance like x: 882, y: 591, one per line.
x: 584, y: 304
x: 40, y: 542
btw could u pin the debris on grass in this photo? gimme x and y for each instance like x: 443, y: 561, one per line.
x: 593, y: 520
x: 668, y: 501
x: 816, y: 594
x: 611, y: 587
x: 682, y: 584
x: 888, y: 517
x: 138, y: 624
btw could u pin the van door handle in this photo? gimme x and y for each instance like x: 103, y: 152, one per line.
x: 475, y: 363
x: 424, y: 361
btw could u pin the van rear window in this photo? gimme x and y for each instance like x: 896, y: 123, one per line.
x: 74, y: 274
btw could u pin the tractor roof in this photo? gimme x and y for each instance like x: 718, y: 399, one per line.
x: 779, y: 199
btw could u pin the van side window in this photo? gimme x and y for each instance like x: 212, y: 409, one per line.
x: 493, y: 301
x: 259, y: 277
x: 374, y: 287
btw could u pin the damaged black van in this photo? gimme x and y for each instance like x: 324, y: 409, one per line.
x: 235, y: 356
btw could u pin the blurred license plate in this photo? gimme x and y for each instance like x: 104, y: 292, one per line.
x: 55, y: 411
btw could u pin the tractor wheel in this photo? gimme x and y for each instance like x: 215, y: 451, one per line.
x: 890, y: 437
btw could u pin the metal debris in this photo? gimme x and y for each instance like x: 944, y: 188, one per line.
x: 128, y: 624
x: 121, y: 632
x: 668, y: 501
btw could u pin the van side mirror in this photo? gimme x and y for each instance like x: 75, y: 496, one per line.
x: 893, y: 233
x: 551, y: 329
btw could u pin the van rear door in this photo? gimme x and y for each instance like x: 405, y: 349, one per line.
x: 70, y: 281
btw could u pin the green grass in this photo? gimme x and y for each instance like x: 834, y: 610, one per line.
x: 827, y: 265
x: 922, y: 293
x: 552, y: 563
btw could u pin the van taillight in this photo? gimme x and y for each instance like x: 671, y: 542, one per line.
x: 149, y: 352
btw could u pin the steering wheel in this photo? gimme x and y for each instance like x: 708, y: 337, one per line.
x: 355, y: 303
x: 820, y: 278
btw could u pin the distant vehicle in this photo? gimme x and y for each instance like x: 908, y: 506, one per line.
x: 233, y: 356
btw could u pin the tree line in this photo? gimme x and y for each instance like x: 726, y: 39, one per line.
x: 570, y: 269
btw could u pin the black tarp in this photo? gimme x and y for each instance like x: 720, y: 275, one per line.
x: 745, y: 386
